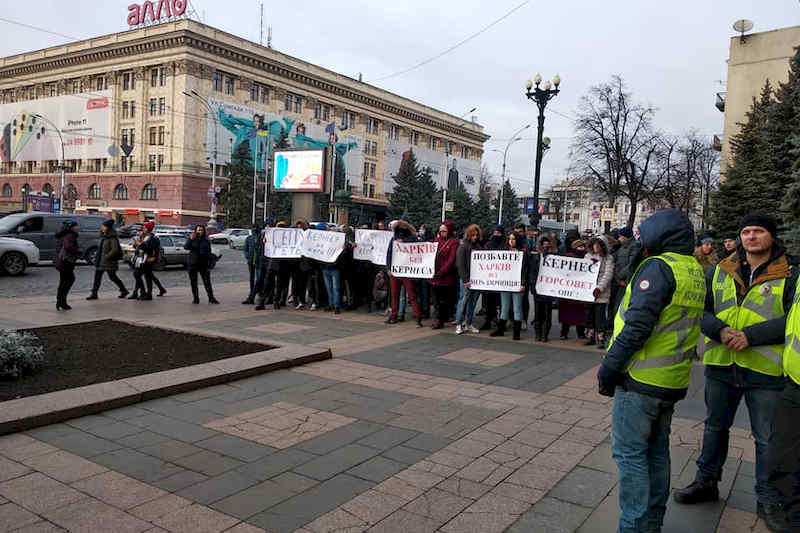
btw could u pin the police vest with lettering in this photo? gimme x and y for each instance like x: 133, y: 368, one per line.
x: 791, y: 351
x: 761, y: 303
x: 665, y: 360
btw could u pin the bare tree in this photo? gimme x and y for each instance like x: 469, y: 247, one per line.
x: 614, y: 144
x: 708, y: 176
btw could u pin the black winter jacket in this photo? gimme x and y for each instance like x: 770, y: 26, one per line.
x: 199, y: 253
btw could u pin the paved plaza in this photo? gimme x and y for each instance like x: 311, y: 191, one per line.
x: 404, y: 430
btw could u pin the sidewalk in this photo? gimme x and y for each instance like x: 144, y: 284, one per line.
x: 406, y: 429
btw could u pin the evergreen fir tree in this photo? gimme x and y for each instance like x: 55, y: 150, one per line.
x: 511, y: 210
x: 482, y: 210
x: 463, y: 208
x: 415, y: 195
x: 791, y: 203
x: 281, y: 202
x: 237, y: 195
x: 742, y: 190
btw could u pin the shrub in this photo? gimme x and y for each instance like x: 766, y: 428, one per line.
x: 20, y: 353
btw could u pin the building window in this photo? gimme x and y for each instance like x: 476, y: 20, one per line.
x: 95, y: 193
x: 228, y: 85
x: 7, y: 191
x: 372, y: 191
x: 125, y: 137
x: 100, y: 84
x: 133, y: 108
x: 126, y: 163
x: 394, y: 132
x: 126, y: 111
x: 74, y: 86
x: 372, y: 170
x: 254, y: 92
x: 259, y: 93
x: 322, y: 112
x: 218, y: 82
x: 465, y: 152
x: 293, y: 102
x: 152, y: 162
x: 161, y: 135
x: 128, y: 81
x: 162, y: 105
x: 413, y: 137
x: 364, y: 189
x: 433, y: 143
x: 121, y: 192
x: 160, y: 162
x: 162, y: 77
x: 99, y: 164
x: 153, y: 104
x: 366, y: 171
x: 153, y: 77
x: 348, y: 119
x: 53, y: 90
x: 153, y: 133
x: 373, y: 124
x: 149, y: 192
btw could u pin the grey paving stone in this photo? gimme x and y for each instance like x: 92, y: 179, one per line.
x: 388, y: 438
x: 401, y: 521
x: 428, y: 442
x: 137, y: 465
x: 335, y: 462
x: 200, y: 394
x: 744, y: 484
x: 277, y: 463
x: 236, y: 447
x: 747, y: 468
x: 339, y: 437
x: 294, y: 482
x: 404, y: 454
x: 746, y: 501
x: 605, y: 517
x: 90, y: 421
x: 208, y: 463
x: 307, y: 506
x: 180, y: 480
x: 114, y: 430
x: 142, y: 439
x: 600, y: 459
x: 217, y: 488
x: 84, y: 444
x: 551, y: 516
x: 367, y: 412
x: 377, y: 469
x: 253, y: 500
x: 125, y: 413
x: 170, y: 449
x: 584, y: 486
x: 185, y: 412
x: 172, y: 427
x: 386, y: 395
x: 53, y: 431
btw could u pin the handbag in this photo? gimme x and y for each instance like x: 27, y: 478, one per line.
x: 212, y: 261
x: 67, y: 257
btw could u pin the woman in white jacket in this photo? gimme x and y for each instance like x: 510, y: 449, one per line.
x: 597, y: 312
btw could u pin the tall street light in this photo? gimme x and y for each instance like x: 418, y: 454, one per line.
x: 540, y: 95
x: 514, y: 138
x: 63, y: 161
x: 212, y: 222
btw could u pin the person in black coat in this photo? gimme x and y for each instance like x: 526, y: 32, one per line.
x: 67, y: 253
x: 199, y: 262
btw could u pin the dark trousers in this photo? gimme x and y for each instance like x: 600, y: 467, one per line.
x: 491, y: 301
x: 784, y: 451
x: 144, y: 277
x: 112, y: 275
x: 299, y: 286
x: 66, y: 277
x: 282, y: 292
x: 543, y: 318
x: 445, y: 296
x: 526, y: 307
x: 252, y: 269
x: 596, y: 319
x: 264, y: 286
x: 411, y: 293
x: 206, y: 275
x: 424, y: 292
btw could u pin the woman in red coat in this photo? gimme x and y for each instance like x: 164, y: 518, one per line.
x: 445, y: 288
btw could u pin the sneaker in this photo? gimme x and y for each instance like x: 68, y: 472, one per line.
x: 92, y: 296
x: 774, y: 517
x: 300, y: 306
x: 459, y: 331
x: 524, y: 326
x: 473, y: 329
x: 313, y: 307
x: 697, y: 492
x: 337, y: 311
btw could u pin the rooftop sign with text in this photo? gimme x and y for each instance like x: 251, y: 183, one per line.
x: 153, y: 12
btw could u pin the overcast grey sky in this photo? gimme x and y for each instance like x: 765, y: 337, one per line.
x: 671, y: 54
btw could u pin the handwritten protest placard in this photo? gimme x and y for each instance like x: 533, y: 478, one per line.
x: 284, y: 243
x: 414, y: 259
x: 571, y: 278
x: 323, y: 246
x: 372, y: 245
x: 495, y: 270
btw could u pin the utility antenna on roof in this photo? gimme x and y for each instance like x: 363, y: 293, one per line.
x: 269, y: 36
x: 742, y: 26
x: 261, y: 27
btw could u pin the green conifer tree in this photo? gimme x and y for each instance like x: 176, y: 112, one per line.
x: 511, y: 209
x: 237, y: 195
x: 281, y: 202
x: 463, y: 207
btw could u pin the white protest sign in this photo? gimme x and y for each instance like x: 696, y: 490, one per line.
x: 323, y: 246
x: 372, y: 245
x: 495, y: 270
x: 571, y: 278
x: 284, y: 243
x: 414, y: 259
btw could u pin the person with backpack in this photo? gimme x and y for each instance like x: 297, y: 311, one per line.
x: 148, y: 248
x: 109, y: 252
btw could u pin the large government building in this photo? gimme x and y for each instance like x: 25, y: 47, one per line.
x: 142, y: 116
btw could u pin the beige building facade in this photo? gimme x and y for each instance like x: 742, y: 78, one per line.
x: 137, y: 112
x: 753, y: 60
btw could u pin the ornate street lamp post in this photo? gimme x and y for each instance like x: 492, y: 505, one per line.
x: 540, y: 95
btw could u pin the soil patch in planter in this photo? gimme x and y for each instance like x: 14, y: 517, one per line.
x: 94, y: 352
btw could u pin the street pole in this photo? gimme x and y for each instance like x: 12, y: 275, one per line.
x: 63, y: 162
x: 514, y: 138
x: 445, y: 176
x: 540, y: 96
x: 267, y: 175
x: 212, y: 222
x: 256, y: 158
x: 566, y: 188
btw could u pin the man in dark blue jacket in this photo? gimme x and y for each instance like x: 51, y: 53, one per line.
x: 250, y: 250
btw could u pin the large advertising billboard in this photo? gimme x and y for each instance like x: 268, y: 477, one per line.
x: 244, y: 132
x: 299, y: 170
x: 84, y: 121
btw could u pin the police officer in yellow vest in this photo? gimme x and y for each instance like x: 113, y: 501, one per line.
x: 647, y: 366
x: 747, y: 300
x: 784, y: 445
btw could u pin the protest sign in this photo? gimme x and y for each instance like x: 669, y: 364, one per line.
x: 571, y: 278
x: 372, y: 245
x: 323, y: 246
x: 414, y: 259
x: 284, y: 243
x: 495, y: 270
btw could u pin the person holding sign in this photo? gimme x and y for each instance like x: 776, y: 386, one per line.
x: 469, y: 297
x: 514, y: 244
x: 403, y: 232
x: 444, y: 285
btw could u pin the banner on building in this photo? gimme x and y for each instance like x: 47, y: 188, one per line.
x: 571, y: 278
x: 372, y: 245
x: 323, y: 246
x: 495, y: 270
x: 283, y: 243
x: 414, y: 259
x: 28, y: 129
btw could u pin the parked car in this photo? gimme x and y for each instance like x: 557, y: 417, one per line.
x: 129, y: 230
x: 331, y: 226
x: 41, y: 228
x: 172, y: 251
x: 237, y: 238
x: 223, y: 237
x: 16, y: 255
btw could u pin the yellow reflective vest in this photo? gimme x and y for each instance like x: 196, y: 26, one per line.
x: 791, y: 351
x: 665, y: 360
x: 762, y: 302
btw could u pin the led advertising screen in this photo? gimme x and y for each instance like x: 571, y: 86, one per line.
x: 299, y: 170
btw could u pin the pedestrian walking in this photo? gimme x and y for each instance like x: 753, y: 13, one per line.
x: 747, y: 299
x: 148, y: 248
x: 445, y: 277
x: 508, y: 298
x: 200, y: 263
x: 465, y: 309
x: 67, y: 253
x: 109, y: 252
x: 646, y: 369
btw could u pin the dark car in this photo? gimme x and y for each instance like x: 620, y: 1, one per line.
x: 41, y: 228
x: 129, y: 230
